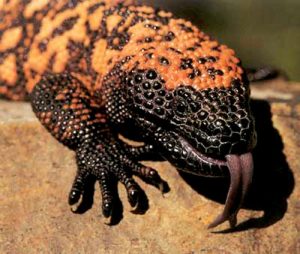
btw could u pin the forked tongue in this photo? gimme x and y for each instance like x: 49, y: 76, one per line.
x: 241, y: 171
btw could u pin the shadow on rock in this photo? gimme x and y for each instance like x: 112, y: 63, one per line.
x: 273, y: 181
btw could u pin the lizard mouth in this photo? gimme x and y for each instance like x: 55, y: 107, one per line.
x: 240, y: 168
x: 183, y: 155
x: 201, y: 157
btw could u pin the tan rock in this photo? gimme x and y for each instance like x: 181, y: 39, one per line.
x: 36, y: 173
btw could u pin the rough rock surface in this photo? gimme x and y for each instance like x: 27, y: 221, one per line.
x: 36, y: 173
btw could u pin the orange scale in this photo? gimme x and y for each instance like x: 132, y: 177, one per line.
x: 220, y: 67
x: 154, y: 44
x: 218, y: 79
x: 204, y: 74
x: 228, y: 77
x: 158, y: 52
x: 236, y: 60
x: 240, y: 71
x: 222, y: 61
x: 162, y: 70
x: 203, y: 86
x: 155, y: 66
x: 202, y: 51
x: 172, y: 59
x: 206, y: 85
x: 150, y: 65
x: 184, y: 78
x: 211, y: 83
x: 227, y: 80
x: 229, y: 52
x: 176, y: 65
x: 209, y: 65
x: 172, y: 44
x: 171, y: 69
x: 233, y: 66
x: 205, y: 52
x: 174, y: 75
x: 186, y: 36
x: 177, y: 70
x: 215, y: 54
x: 201, y: 69
x: 225, y: 72
x: 223, y: 47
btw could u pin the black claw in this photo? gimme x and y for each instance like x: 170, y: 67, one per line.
x: 81, y: 194
x: 107, y: 209
x: 77, y: 189
x: 163, y: 186
x: 142, y: 204
x: 74, y: 196
x: 154, y: 175
x: 133, y: 196
x: 151, y: 176
x: 156, y: 180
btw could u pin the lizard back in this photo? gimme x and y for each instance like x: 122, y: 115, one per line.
x: 87, y: 38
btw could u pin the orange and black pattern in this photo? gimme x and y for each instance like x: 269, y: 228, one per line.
x: 87, y: 38
x: 94, y: 69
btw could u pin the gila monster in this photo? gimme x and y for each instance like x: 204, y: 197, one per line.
x: 93, y: 70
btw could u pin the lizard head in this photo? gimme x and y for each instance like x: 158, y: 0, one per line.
x: 214, y: 121
x: 190, y: 98
x: 207, y: 132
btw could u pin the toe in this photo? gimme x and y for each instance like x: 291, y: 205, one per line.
x: 133, y: 195
x: 107, y: 208
x: 132, y: 188
x: 105, y: 183
x: 74, y: 196
x: 150, y: 176
x: 77, y: 189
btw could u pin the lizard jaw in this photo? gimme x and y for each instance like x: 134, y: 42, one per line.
x: 239, y: 166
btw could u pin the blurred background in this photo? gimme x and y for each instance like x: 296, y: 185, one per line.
x: 262, y: 32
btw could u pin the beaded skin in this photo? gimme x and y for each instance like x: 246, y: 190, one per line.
x: 95, y: 69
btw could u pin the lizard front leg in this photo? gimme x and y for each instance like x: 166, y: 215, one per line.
x: 68, y: 111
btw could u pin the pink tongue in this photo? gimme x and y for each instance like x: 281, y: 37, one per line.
x: 241, y: 170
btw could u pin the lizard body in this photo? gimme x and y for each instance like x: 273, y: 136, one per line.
x: 93, y: 69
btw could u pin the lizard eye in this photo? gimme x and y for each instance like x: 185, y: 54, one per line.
x: 180, y: 107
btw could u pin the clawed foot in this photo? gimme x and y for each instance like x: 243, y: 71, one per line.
x: 107, y: 163
x: 65, y: 107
